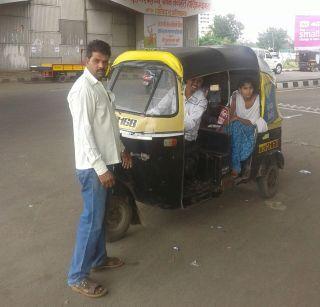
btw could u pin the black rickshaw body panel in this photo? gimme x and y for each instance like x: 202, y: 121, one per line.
x: 156, y: 177
x: 267, y: 151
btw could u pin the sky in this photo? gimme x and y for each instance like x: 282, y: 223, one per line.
x: 258, y: 15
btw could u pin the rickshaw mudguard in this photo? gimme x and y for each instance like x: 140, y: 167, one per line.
x: 272, y: 157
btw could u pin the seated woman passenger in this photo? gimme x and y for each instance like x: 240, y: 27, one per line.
x: 244, y: 119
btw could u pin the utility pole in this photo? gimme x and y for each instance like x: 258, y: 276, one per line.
x: 272, y: 40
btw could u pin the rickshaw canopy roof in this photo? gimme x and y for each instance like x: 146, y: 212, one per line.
x: 201, y: 61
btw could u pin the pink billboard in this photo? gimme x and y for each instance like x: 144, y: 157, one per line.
x: 307, y: 33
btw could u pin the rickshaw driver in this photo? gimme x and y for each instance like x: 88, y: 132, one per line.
x: 195, y: 105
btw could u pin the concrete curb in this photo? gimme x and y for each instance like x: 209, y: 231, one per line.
x: 30, y: 79
x: 11, y: 80
x: 298, y: 84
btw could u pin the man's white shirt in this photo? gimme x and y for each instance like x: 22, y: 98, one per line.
x: 95, y: 127
x: 194, y: 107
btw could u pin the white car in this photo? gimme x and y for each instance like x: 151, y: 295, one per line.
x: 274, y: 62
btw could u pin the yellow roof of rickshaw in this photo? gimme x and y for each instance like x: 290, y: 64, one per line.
x: 150, y: 55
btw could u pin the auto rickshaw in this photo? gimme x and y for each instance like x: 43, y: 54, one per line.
x: 161, y: 175
x: 309, y: 60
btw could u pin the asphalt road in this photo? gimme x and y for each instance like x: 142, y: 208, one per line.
x: 249, y: 252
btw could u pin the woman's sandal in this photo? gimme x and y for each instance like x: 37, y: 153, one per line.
x: 110, y: 263
x: 89, y: 288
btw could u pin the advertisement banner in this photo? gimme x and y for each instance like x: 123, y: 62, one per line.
x: 163, y: 32
x: 307, y: 33
x: 173, y: 8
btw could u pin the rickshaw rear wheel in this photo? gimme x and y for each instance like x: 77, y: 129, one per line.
x: 118, y: 217
x: 268, y: 184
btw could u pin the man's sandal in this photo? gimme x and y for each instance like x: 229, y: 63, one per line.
x: 109, y: 263
x: 89, y: 288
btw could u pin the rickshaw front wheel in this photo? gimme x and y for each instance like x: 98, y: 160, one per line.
x: 268, y: 184
x: 118, y: 217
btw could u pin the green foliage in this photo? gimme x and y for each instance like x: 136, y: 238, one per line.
x: 274, y: 38
x: 225, y: 30
x: 291, y: 64
x: 227, y: 27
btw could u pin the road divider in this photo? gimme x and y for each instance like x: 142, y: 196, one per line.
x: 298, y: 84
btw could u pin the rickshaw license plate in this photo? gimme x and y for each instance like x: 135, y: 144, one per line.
x: 269, y: 146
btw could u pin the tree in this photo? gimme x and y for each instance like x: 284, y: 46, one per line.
x: 227, y: 27
x: 275, y: 39
x: 225, y: 30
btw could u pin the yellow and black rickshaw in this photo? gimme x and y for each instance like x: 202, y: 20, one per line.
x: 157, y: 144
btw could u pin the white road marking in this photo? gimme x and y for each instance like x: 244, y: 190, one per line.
x: 286, y: 106
x: 291, y: 116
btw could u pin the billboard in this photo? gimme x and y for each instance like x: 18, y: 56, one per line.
x: 173, y: 8
x: 163, y: 31
x: 307, y: 33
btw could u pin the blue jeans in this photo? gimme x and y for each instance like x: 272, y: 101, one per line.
x: 90, y: 248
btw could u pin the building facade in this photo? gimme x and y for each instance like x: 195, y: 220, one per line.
x: 57, y: 31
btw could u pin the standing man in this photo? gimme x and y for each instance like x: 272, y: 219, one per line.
x: 97, y: 148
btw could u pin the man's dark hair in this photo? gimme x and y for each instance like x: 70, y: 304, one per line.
x: 98, y: 46
x: 248, y: 80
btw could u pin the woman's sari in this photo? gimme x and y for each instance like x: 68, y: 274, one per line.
x: 243, y: 136
x: 242, y: 143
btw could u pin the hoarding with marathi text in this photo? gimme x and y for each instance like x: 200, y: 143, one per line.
x: 173, y: 8
x: 163, y: 31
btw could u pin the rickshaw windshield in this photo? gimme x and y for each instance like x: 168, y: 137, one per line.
x: 144, y: 88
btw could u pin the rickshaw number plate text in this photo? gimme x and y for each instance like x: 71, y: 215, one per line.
x: 269, y: 146
x: 127, y: 122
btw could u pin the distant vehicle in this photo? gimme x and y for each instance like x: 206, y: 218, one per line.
x: 309, y: 60
x: 58, y: 72
x: 274, y: 62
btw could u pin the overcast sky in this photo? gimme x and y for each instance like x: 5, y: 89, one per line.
x: 258, y: 15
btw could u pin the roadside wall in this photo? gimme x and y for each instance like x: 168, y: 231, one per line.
x: 14, y: 36
x: 57, y: 31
